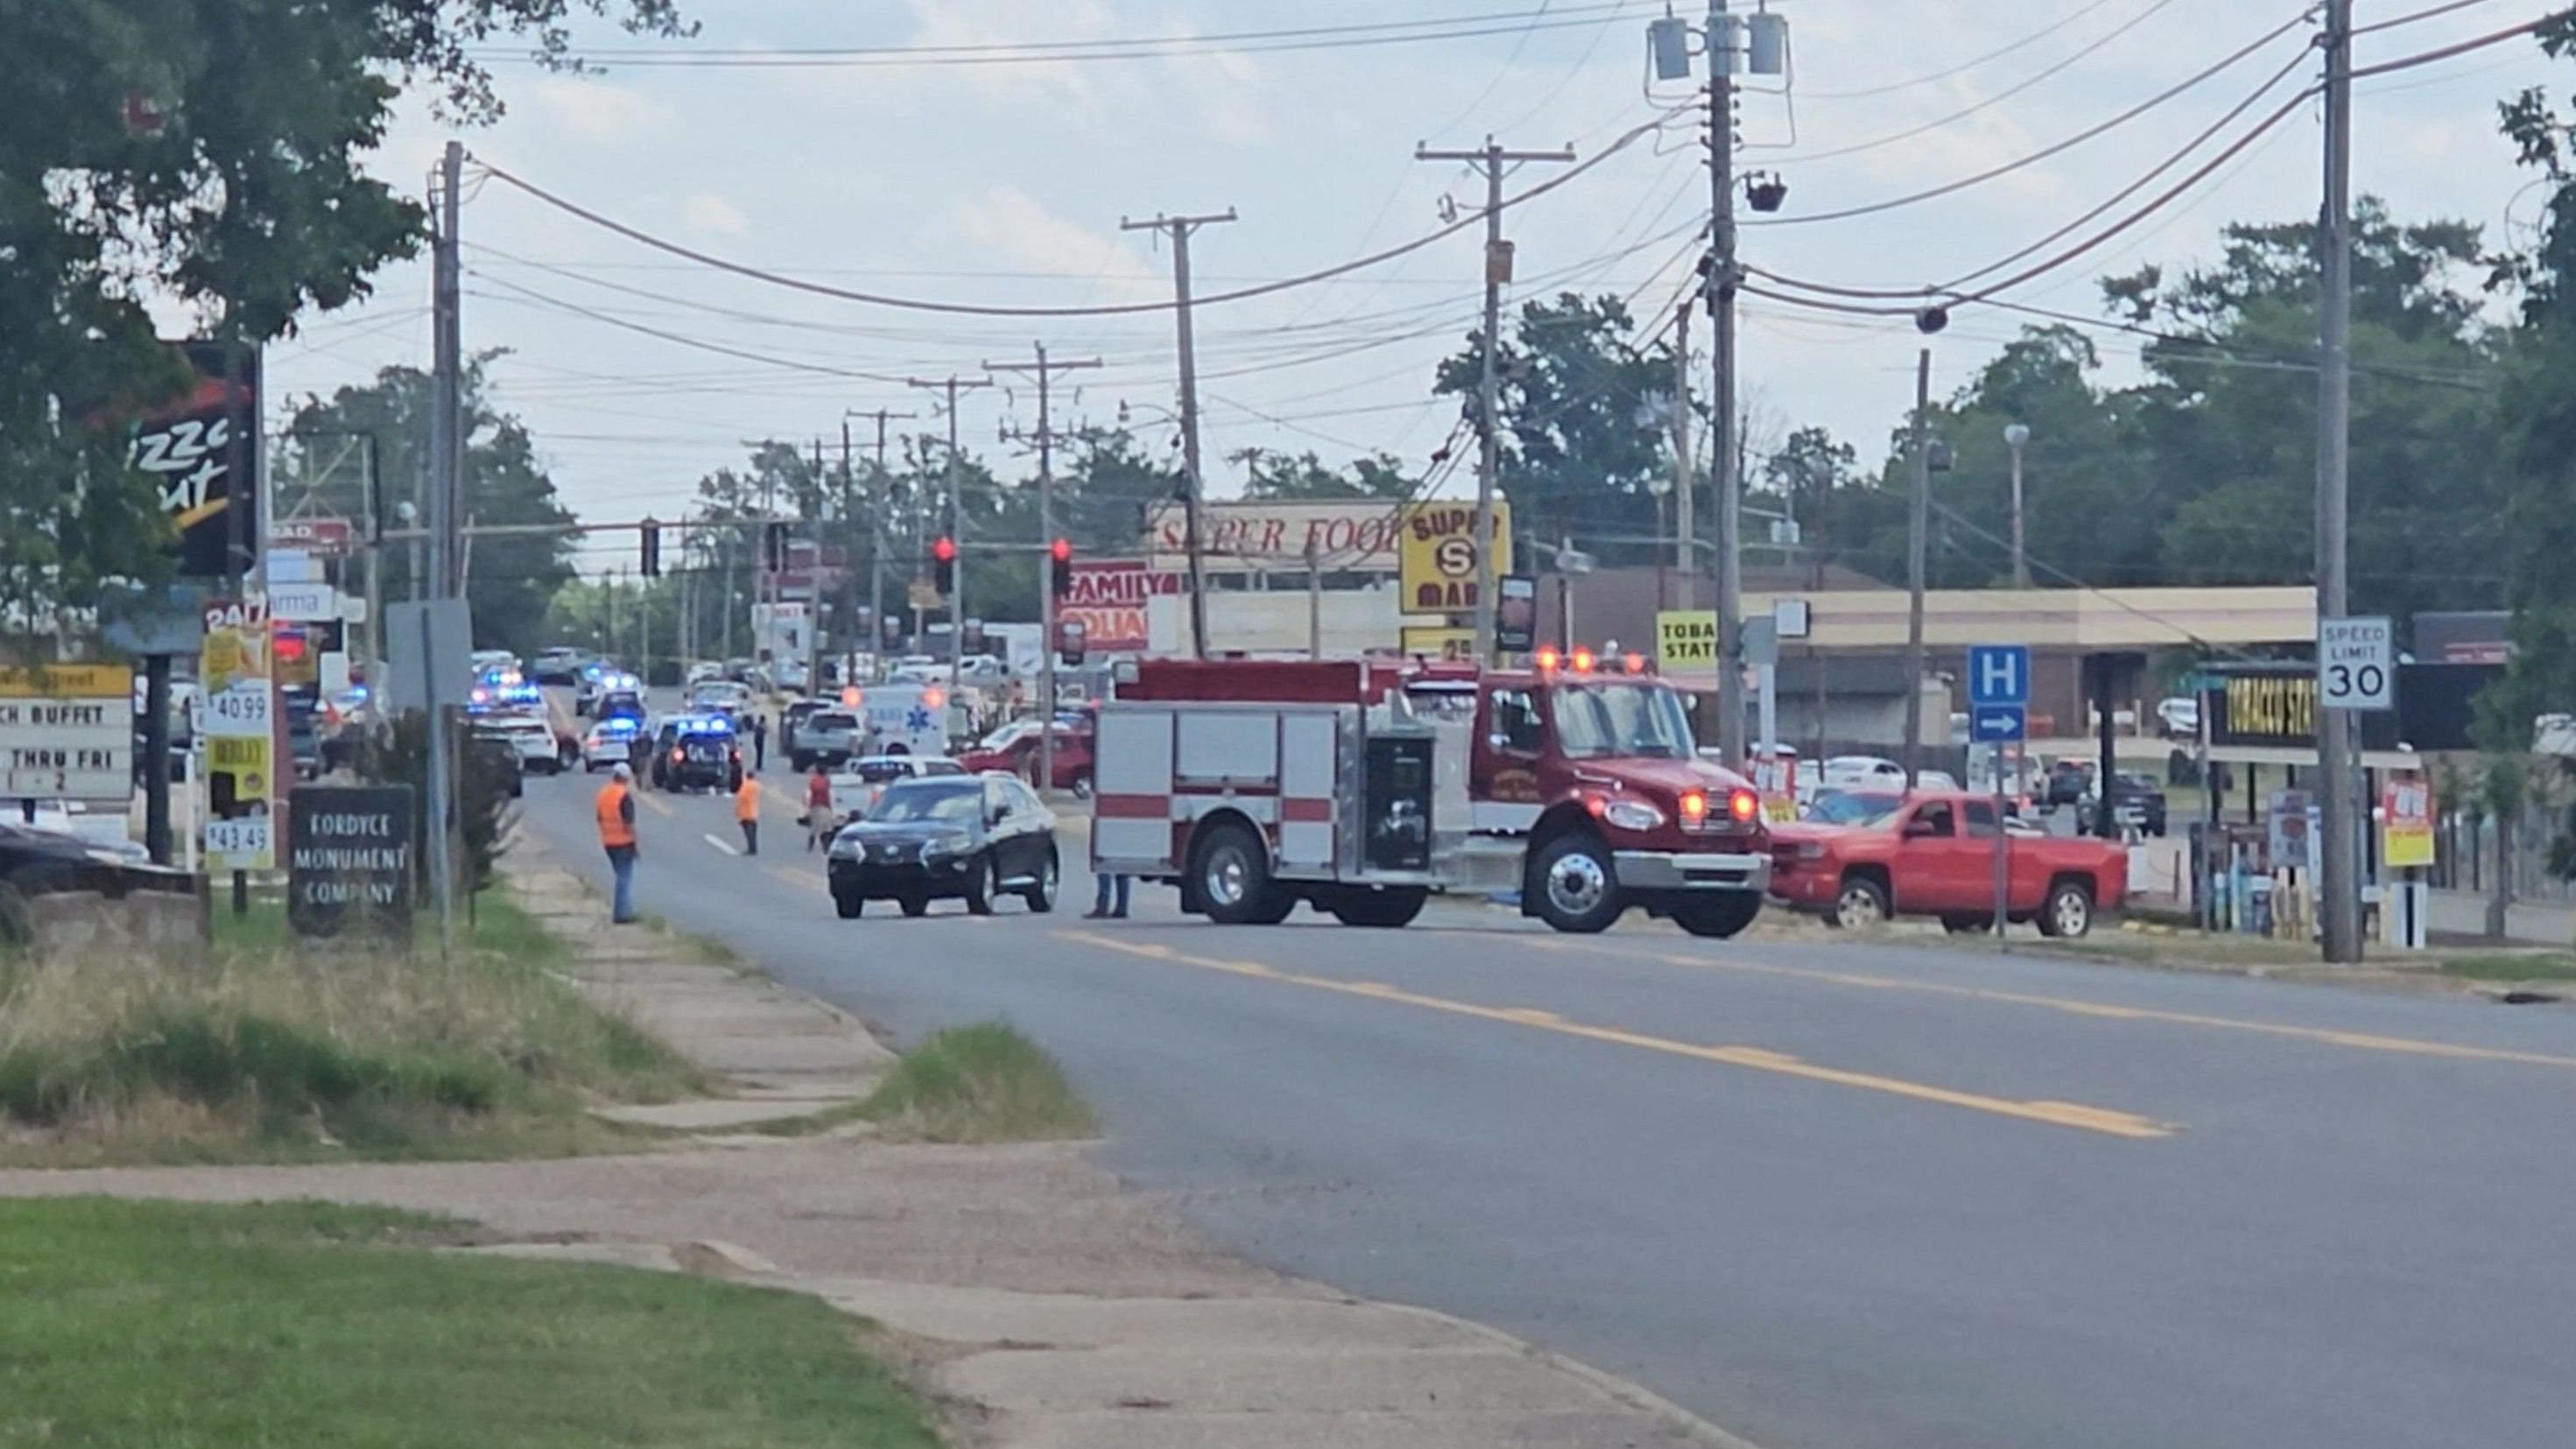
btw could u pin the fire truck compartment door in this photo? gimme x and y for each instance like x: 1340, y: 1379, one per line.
x: 1309, y: 768
x: 1132, y: 766
x: 1229, y: 749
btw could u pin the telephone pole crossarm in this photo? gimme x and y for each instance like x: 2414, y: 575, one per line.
x: 1044, y: 370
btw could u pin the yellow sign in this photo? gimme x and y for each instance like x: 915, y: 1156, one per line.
x: 68, y: 681
x: 1686, y: 639
x: 2406, y: 828
x: 1440, y: 641
x: 1436, y: 555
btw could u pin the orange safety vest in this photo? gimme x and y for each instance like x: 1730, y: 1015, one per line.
x: 614, y: 828
x: 746, y: 801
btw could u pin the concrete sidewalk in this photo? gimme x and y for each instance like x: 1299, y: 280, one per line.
x: 1036, y: 1302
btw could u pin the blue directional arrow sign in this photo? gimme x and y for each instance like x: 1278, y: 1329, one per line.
x: 1998, y: 723
x: 1999, y: 674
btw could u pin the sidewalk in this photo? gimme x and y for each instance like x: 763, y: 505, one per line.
x: 1036, y: 1301
x: 2536, y: 923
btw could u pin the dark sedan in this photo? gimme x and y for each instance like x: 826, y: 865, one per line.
x: 973, y: 839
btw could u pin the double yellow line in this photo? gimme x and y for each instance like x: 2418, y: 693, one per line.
x: 2055, y: 1114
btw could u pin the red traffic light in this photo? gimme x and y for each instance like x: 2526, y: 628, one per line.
x: 944, y: 549
x: 1062, y: 548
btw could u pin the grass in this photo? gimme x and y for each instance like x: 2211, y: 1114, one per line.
x: 270, y: 1049
x: 231, y: 1327
x: 984, y: 1083
x: 2535, y: 966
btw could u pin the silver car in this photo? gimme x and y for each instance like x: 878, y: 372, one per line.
x: 827, y: 737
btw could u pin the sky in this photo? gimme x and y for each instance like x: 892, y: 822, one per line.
x: 940, y: 176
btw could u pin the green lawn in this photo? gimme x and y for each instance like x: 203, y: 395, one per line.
x: 2532, y: 967
x: 189, y: 1327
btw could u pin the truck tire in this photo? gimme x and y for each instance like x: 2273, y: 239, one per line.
x: 1720, y: 916
x: 1861, y: 901
x: 915, y: 906
x: 849, y: 907
x: 1230, y: 874
x: 1573, y: 886
x: 1378, y: 909
x: 2068, y: 911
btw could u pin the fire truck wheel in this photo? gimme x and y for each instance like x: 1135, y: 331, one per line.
x: 1382, y: 909
x: 1573, y: 887
x: 1232, y: 874
x: 1720, y: 916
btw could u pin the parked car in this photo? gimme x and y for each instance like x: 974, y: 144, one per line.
x: 696, y: 752
x: 2179, y: 717
x: 970, y: 838
x: 529, y: 737
x: 2069, y: 781
x: 612, y: 742
x: 2136, y: 801
x: 827, y: 737
x: 1933, y: 855
x: 792, y: 716
x: 720, y: 696
x: 1013, y: 749
x: 561, y: 664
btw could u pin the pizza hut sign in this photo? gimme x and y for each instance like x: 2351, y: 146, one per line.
x: 189, y: 448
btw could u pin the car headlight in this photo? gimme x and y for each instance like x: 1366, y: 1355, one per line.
x: 1632, y: 815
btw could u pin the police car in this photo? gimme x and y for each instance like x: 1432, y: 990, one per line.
x: 611, y: 742
x: 696, y: 752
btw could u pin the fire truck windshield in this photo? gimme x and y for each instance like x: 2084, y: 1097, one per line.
x: 1604, y: 720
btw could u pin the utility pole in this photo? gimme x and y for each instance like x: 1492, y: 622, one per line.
x: 2340, y: 816
x: 1194, y: 496
x: 1491, y: 158
x: 876, y: 522
x: 2017, y: 437
x: 1045, y: 371
x: 1725, y: 275
x: 952, y: 385
x: 1314, y: 597
x: 446, y: 449
x: 1918, y: 524
x: 1685, y: 523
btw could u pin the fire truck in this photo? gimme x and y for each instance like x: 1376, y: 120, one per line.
x: 1363, y: 787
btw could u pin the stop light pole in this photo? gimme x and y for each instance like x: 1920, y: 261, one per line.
x: 952, y: 385
x: 1060, y: 552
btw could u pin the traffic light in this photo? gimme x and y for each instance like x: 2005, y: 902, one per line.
x: 1060, y: 558
x: 943, y: 564
x: 650, y: 566
x: 773, y: 547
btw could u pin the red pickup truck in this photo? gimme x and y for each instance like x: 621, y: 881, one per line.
x: 1932, y: 853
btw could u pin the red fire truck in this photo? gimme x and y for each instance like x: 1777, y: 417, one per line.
x: 1364, y: 787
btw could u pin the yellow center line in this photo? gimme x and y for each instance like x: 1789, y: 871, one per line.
x: 796, y: 877
x: 654, y: 803
x: 2055, y: 1114
x: 2072, y: 1006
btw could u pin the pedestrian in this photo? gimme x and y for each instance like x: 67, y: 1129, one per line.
x: 818, y: 808
x: 615, y: 807
x: 759, y: 740
x: 746, y: 813
x: 1103, y: 886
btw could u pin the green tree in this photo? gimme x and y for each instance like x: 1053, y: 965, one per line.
x: 508, y: 578
x: 1108, y: 489
x: 2539, y: 411
x: 1582, y: 404
x: 1272, y: 476
x: 203, y: 156
x: 2227, y: 419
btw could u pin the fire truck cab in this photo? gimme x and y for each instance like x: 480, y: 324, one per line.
x: 1364, y: 787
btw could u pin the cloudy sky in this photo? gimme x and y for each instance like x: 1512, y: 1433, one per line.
x: 985, y: 151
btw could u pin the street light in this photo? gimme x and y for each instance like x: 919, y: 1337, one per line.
x: 2015, y: 436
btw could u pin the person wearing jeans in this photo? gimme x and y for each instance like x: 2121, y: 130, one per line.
x: 1103, y: 886
x: 615, y: 808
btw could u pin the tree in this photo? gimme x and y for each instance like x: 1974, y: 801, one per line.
x: 1108, y: 490
x: 1583, y: 439
x: 202, y: 156
x: 2227, y: 420
x: 1272, y: 476
x: 2539, y: 414
x: 508, y: 579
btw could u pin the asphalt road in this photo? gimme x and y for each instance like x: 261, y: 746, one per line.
x: 1859, y: 1196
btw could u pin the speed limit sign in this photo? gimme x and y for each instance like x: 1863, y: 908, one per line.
x: 2356, y: 664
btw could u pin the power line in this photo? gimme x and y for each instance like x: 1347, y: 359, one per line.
x: 2044, y: 153
x: 916, y: 304
x: 1999, y: 53
x: 1998, y: 98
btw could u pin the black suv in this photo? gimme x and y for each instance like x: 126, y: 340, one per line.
x: 942, y: 837
x: 696, y: 752
x: 2134, y: 797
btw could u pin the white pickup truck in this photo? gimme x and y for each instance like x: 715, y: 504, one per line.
x: 856, y: 785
